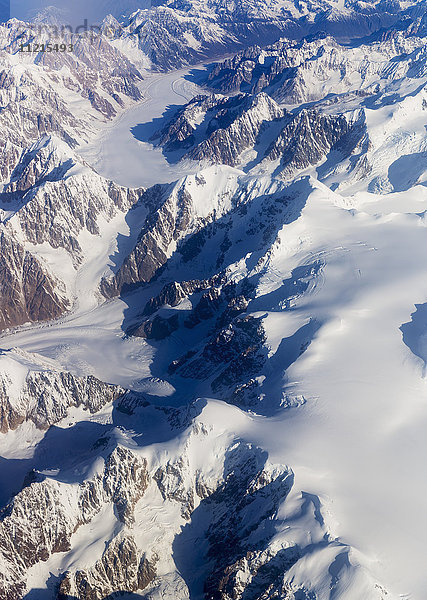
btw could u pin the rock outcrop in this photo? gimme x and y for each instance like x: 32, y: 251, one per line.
x: 28, y: 290
x: 318, y: 68
x: 171, y: 33
x: 44, y: 395
x: 219, y: 130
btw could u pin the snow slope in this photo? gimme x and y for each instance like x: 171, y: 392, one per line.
x: 272, y: 444
x: 358, y: 440
x: 138, y: 164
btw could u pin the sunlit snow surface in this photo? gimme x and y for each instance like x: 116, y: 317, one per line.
x: 122, y: 151
x: 359, y: 442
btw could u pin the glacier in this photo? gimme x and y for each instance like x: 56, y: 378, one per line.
x: 215, y: 388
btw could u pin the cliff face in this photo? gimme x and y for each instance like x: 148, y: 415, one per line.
x: 44, y: 515
x: 50, y: 202
x: 185, y: 218
x: 172, y: 33
x: 256, y: 134
x: 65, y: 94
x: 241, y: 309
x: 28, y: 291
x: 52, y: 103
x: 158, y: 516
x: 296, y: 72
x: 32, y: 390
x: 309, y: 137
x: 217, y: 129
x: 54, y: 197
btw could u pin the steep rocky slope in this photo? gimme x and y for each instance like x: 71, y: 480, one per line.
x: 291, y: 107
x: 218, y: 129
x: 53, y: 197
x: 29, y: 291
x: 52, y: 202
x: 234, y: 506
x: 32, y: 389
x: 254, y: 132
x: 171, y: 34
x: 199, y: 213
x: 318, y: 67
x: 61, y: 93
x: 261, y: 425
x: 51, y: 103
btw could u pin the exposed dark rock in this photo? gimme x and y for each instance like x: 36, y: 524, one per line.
x: 309, y: 136
x: 28, y: 292
x: 122, y: 568
x: 172, y: 294
x: 247, y: 497
x: 172, y: 485
x: 46, y: 396
x: 235, y: 307
x: 228, y: 127
x: 172, y: 33
x: 53, y: 203
x: 205, y: 309
x: 232, y: 125
x: 170, y: 222
x: 312, y: 69
x: 123, y: 482
x: 176, y: 364
x: 155, y: 329
x: 236, y: 347
x: 37, y: 101
x: 56, y: 205
x: 38, y: 523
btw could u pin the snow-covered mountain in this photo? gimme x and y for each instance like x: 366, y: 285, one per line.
x: 61, y: 93
x: 316, y: 103
x: 173, y: 33
x: 55, y: 222
x: 253, y: 131
x: 213, y: 388
x: 310, y: 70
x: 34, y: 389
x: 49, y: 200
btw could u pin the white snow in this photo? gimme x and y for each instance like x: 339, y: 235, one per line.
x: 119, y: 154
x: 358, y: 442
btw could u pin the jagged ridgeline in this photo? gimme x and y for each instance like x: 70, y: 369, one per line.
x: 175, y: 33
x: 113, y: 517
x: 175, y: 401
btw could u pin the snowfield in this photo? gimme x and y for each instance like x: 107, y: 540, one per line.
x: 358, y: 442
x: 123, y: 153
x: 322, y: 475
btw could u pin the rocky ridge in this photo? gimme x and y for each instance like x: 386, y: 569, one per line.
x: 29, y: 291
x: 62, y: 93
x: 49, y: 202
x: 51, y: 103
x: 176, y: 502
x: 180, y: 223
x: 33, y: 389
x: 222, y: 347
x: 311, y: 107
x: 218, y: 130
x: 25, y: 543
x: 56, y: 197
x: 315, y: 68
x: 171, y: 34
x: 248, y: 548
